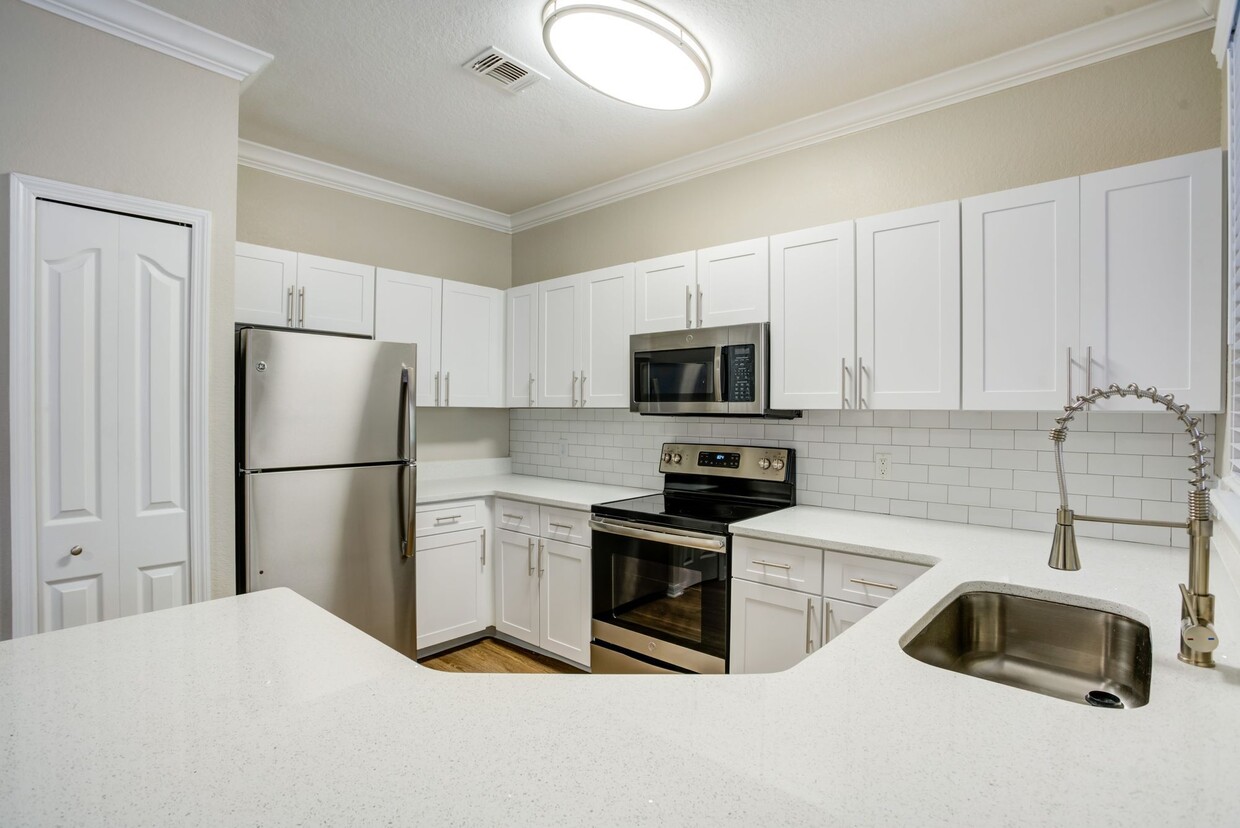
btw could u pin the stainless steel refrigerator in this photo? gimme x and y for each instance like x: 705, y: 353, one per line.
x: 327, y: 475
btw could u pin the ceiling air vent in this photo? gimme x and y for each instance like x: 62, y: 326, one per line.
x: 503, y: 70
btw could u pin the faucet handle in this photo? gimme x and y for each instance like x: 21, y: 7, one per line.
x: 1198, y: 637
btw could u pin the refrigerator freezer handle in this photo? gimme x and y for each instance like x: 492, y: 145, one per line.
x: 409, y: 438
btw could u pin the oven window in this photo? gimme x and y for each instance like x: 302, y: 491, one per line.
x: 681, y: 375
x: 672, y: 593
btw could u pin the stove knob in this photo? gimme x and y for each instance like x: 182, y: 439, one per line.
x: 676, y: 458
x: 667, y: 457
x: 764, y: 464
x: 777, y: 464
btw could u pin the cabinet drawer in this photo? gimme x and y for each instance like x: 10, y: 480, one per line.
x: 778, y: 564
x: 567, y: 525
x: 863, y: 580
x: 517, y: 516
x: 449, y: 517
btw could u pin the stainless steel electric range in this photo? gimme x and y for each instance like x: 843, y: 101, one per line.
x: 661, y: 585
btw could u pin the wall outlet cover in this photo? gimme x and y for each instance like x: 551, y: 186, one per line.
x: 882, y: 465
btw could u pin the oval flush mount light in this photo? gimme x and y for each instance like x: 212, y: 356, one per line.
x: 627, y: 51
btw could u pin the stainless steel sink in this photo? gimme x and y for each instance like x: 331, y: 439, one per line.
x: 1079, y: 654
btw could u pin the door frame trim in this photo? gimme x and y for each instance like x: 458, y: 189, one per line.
x: 24, y: 191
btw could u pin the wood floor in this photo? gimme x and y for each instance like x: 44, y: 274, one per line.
x: 493, y: 656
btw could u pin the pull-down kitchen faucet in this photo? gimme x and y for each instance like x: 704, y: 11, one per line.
x: 1197, y: 638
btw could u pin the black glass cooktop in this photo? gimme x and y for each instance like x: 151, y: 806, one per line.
x: 706, y: 514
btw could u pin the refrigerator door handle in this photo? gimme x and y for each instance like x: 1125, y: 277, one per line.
x: 407, y: 497
x: 408, y: 440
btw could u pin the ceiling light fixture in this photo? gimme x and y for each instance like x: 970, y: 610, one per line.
x: 627, y: 51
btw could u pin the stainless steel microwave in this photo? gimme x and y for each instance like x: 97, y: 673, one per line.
x: 703, y: 372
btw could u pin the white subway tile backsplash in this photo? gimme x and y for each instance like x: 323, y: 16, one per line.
x: 990, y: 468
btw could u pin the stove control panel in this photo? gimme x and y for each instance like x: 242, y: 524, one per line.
x: 753, y: 462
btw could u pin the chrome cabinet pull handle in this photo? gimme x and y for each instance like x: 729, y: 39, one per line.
x: 1069, y: 375
x: 567, y: 527
x: 436, y: 388
x: 447, y: 388
x: 809, y: 625
x: 688, y: 307
x: 484, y: 547
x: 699, y: 313
x: 290, y: 306
x: 574, y: 389
x: 301, y: 307
x: 75, y: 551
x: 860, y: 386
x: 844, y: 382
x: 446, y: 518
x: 531, y: 394
x: 529, y: 557
x: 1089, y: 369
x: 772, y: 563
x: 540, y: 558
x: 517, y: 518
x: 864, y: 582
x: 583, y: 389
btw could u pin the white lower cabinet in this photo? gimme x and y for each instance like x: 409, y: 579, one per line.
x: 564, y: 600
x: 454, y: 586
x: 516, y: 585
x: 772, y: 628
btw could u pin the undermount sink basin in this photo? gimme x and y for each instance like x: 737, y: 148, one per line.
x: 1078, y: 654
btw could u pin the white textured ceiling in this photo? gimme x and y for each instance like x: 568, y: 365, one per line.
x: 378, y: 86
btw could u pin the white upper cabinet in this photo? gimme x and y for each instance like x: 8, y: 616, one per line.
x: 459, y: 331
x: 472, y: 345
x: 335, y: 296
x: 606, y: 315
x: 732, y: 284
x: 908, y: 308
x: 520, y: 345
x: 1021, y: 297
x: 665, y: 295
x: 283, y: 289
x: 559, y: 338
x: 813, y: 318
x: 266, y: 284
x: 1152, y: 279
x: 407, y: 310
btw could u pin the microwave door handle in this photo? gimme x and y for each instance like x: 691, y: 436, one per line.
x: 720, y: 391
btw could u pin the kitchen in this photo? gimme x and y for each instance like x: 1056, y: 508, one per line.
x: 857, y: 720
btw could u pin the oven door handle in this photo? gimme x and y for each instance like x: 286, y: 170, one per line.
x: 672, y: 537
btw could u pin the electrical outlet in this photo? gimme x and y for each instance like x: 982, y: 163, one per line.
x: 563, y: 446
x: 882, y: 465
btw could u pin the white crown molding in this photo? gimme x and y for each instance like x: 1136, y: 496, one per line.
x: 1118, y: 35
x: 172, y: 36
x: 1225, y: 21
x: 313, y: 171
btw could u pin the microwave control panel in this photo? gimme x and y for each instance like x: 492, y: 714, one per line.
x: 753, y: 462
x: 740, y: 362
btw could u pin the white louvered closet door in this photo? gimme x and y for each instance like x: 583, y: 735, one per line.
x: 112, y: 415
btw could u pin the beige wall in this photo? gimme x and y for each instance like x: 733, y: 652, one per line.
x: 87, y: 108
x: 290, y: 214
x: 1150, y: 104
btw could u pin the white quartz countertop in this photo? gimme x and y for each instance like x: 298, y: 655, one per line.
x: 566, y: 494
x: 264, y: 709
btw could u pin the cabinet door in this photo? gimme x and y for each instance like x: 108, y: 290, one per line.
x: 772, y: 628
x: 1021, y: 294
x: 559, y: 338
x: 664, y: 295
x: 266, y: 281
x: 564, y: 599
x: 335, y: 296
x: 733, y: 284
x: 407, y: 309
x: 908, y: 308
x: 839, y: 616
x: 520, y: 345
x: 153, y: 443
x: 813, y: 318
x: 450, y: 586
x: 516, y: 585
x: 1152, y: 279
x: 76, y: 432
x: 607, y: 321
x: 473, y: 345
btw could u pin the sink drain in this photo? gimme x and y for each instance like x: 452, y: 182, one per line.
x: 1101, y: 698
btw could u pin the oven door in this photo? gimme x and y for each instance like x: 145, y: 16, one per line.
x: 661, y: 594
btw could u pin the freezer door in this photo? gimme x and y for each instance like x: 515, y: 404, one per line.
x: 313, y: 400
x: 338, y: 537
